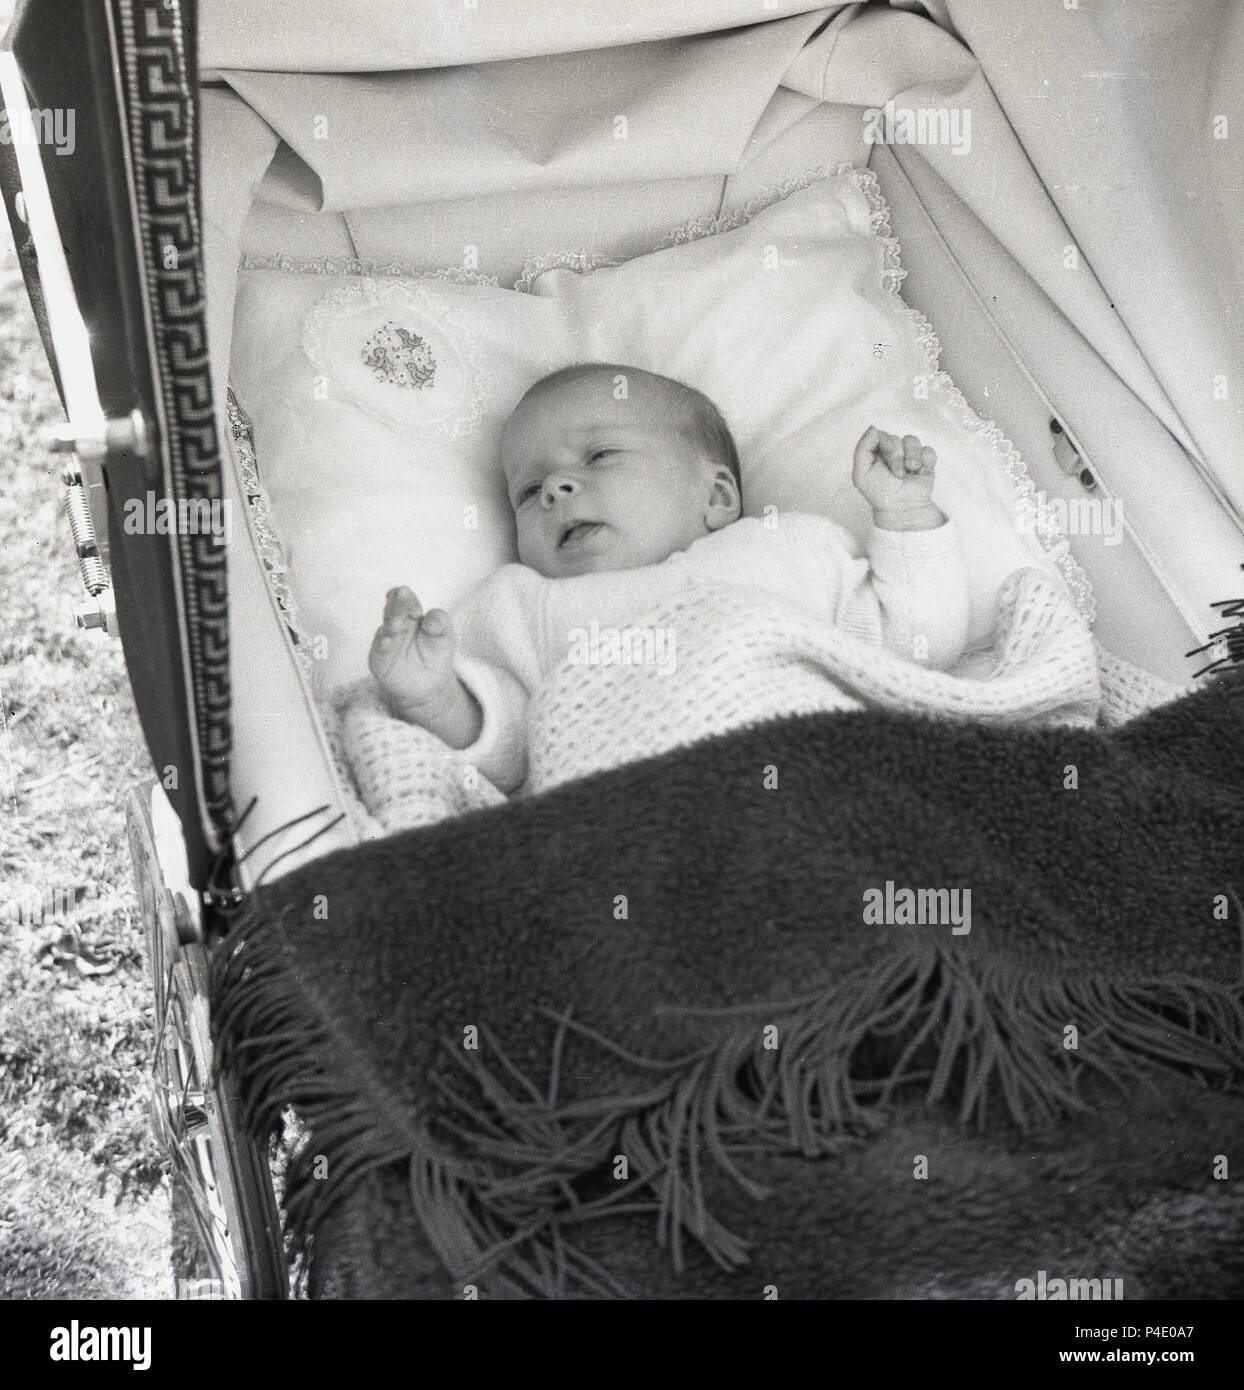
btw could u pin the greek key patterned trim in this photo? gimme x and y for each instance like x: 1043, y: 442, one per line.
x: 161, y: 110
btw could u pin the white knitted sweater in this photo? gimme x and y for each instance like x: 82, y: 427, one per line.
x: 909, y: 595
x: 744, y: 657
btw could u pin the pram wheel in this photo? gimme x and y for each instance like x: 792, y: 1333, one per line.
x: 226, y: 1228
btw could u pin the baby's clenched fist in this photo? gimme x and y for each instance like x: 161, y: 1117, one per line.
x: 895, y: 477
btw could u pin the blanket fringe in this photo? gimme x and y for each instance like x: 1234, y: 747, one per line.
x: 1226, y: 644
x: 809, y: 1075
x: 268, y: 1035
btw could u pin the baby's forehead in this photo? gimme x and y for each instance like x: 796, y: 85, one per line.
x: 601, y: 395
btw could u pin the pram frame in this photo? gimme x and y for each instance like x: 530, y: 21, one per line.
x: 170, y: 599
x: 141, y: 424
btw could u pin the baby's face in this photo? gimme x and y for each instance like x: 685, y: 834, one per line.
x: 598, y: 483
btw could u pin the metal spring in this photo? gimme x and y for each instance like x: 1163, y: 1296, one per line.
x: 94, y: 575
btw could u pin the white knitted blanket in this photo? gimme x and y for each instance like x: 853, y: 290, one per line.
x: 730, y: 657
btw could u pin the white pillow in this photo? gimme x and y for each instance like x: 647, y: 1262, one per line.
x: 791, y: 322
x: 377, y: 403
x: 377, y: 400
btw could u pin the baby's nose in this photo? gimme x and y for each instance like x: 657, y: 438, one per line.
x: 557, y: 488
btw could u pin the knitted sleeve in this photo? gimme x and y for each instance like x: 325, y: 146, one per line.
x: 499, y: 662
x: 500, y: 751
x: 917, y: 585
x: 502, y: 623
x: 909, y: 594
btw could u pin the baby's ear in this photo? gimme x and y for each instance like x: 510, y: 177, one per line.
x: 724, y: 502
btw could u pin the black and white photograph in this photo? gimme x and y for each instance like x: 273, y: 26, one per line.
x: 622, y: 662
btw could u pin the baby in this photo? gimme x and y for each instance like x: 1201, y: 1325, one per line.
x: 625, y: 486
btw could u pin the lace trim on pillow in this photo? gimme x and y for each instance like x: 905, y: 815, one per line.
x: 581, y: 261
x: 276, y: 566
x: 697, y: 228
x: 1035, y: 518
x: 865, y: 180
x: 271, y: 547
x: 350, y: 265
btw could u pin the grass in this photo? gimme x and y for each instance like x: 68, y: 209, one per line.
x: 84, y: 1191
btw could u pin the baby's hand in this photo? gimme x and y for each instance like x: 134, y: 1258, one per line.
x: 893, y: 474
x: 895, y: 477
x: 412, y: 655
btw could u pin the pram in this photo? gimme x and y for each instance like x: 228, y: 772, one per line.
x: 225, y: 143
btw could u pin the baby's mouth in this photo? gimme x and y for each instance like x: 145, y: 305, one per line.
x: 575, y: 533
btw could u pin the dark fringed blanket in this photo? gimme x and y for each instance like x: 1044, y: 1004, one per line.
x: 711, y: 1025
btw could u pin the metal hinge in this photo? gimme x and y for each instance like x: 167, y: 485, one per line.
x: 126, y: 434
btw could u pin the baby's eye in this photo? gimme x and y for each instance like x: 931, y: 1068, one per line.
x: 598, y: 454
